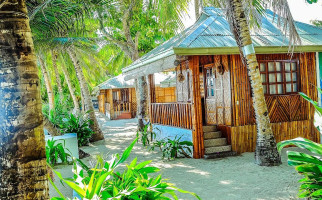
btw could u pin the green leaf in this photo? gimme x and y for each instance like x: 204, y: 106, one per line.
x: 71, y: 184
x: 302, y: 143
x: 148, y: 170
x: 143, y: 164
x: 303, y: 158
x: 55, y: 187
x: 126, y: 153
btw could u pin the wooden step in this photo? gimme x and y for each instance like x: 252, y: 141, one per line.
x: 220, y: 155
x: 124, y: 115
x: 215, y: 142
x: 212, y: 135
x: 210, y: 150
x: 207, y: 129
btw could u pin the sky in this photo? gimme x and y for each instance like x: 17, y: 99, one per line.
x: 301, y: 11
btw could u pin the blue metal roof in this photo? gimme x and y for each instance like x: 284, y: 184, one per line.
x: 212, y: 30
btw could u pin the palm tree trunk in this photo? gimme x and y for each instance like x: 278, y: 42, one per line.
x: 51, y: 128
x: 23, y: 168
x: 197, y: 8
x: 49, y: 88
x: 266, y: 153
x: 142, y: 96
x: 71, y: 89
x: 98, y: 135
x: 58, y: 80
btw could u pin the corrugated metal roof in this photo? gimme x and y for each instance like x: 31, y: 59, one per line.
x: 213, y: 31
x: 119, y: 82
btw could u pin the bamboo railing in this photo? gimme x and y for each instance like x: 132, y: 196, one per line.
x: 172, y: 114
x: 120, y: 108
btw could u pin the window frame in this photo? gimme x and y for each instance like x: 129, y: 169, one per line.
x: 283, y: 73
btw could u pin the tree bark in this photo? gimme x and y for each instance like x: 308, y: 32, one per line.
x: 98, y: 135
x: 49, y: 88
x: 266, y: 153
x: 58, y: 80
x: 142, y: 95
x: 71, y: 89
x: 51, y: 128
x: 197, y: 8
x: 23, y: 169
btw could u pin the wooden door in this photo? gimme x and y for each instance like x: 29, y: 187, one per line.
x: 217, y: 92
x: 210, y: 89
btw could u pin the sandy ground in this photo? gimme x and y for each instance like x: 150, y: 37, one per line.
x: 221, y: 179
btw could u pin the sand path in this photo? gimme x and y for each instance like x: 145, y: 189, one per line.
x: 232, y: 178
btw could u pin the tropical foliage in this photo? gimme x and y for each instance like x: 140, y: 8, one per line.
x: 171, y: 149
x: 306, y: 164
x: 56, y: 151
x: 105, y: 182
x: 78, y: 124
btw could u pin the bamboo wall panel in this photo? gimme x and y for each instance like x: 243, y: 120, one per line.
x: 183, y: 88
x: 134, y: 104
x: 243, y: 138
x: 165, y: 95
x: 172, y: 114
x: 281, y: 108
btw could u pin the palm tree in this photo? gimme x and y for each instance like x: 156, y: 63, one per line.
x: 57, y: 21
x: 49, y: 88
x: 70, y: 86
x: 88, y: 104
x: 23, y: 169
x: 120, y: 27
x: 58, y: 80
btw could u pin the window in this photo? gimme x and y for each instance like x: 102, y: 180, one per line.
x: 279, y: 77
x: 210, y: 79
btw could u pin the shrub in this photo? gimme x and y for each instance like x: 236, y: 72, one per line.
x: 308, y: 165
x: 104, y: 182
x: 171, y: 148
x: 79, y: 125
x: 56, y: 151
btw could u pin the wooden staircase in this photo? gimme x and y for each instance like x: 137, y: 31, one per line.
x: 215, y: 145
x: 124, y: 115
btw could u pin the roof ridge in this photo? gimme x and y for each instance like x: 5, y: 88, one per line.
x: 208, y: 21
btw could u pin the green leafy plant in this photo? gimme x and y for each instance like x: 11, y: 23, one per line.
x: 318, y: 110
x: 104, y: 182
x: 79, y: 125
x: 308, y: 165
x: 171, y: 148
x: 146, y: 135
x: 56, y: 151
x: 60, y: 111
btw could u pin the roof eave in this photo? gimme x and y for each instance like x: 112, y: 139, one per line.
x: 148, y: 61
x: 235, y: 50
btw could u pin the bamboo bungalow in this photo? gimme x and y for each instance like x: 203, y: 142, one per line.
x: 214, y: 99
x: 117, y: 97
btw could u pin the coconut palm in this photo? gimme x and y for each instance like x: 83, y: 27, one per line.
x: 23, y: 169
x: 47, y: 79
x: 135, y: 27
x: 58, y: 19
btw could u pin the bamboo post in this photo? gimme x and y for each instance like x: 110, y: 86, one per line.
x: 197, y: 130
